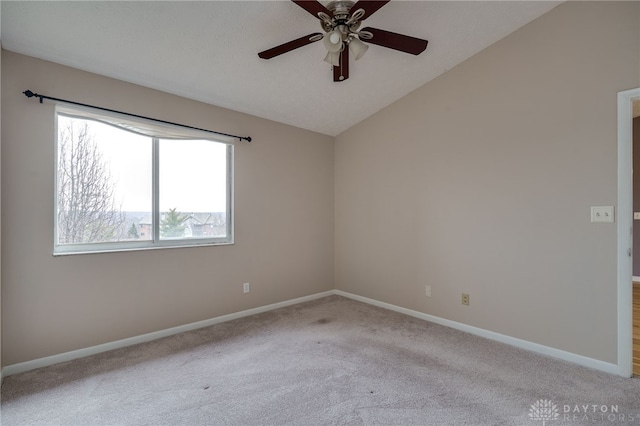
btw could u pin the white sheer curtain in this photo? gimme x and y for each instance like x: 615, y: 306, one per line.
x: 141, y: 126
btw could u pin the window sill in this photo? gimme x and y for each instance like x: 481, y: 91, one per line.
x: 104, y: 248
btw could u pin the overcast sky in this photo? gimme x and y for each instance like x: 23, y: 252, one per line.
x: 192, y: 173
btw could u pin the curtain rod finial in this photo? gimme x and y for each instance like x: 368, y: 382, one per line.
x: 30, y: 94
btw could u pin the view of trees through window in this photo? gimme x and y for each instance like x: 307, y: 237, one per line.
x: 87, y: 209
x: 105, y: 186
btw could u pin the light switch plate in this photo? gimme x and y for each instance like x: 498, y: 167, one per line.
x: 602, y: 214
x: 636, y: 215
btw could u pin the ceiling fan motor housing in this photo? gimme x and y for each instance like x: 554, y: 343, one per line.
x: 340, y: 10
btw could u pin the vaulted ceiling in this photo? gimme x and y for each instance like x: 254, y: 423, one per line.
x: 207, y: 50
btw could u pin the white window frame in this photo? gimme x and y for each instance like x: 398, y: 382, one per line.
x: 159, y: 131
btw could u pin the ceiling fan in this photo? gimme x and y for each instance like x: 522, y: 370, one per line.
x: 342, y: 34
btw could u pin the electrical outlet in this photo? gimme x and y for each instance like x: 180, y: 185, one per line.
x: 246, y: 288
x: 465, y: 299
x: 427, y: 290
x: 602, y: 214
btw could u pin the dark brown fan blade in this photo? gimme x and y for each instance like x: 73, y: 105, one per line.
x: 287, y: 47
x: 312, y: 6
x: 370, y: 7
x: 396, y: 41
x: 341, y: 73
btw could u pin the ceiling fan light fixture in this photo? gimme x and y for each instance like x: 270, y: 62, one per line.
x: 333, y: 58
x: 358, y: 48
x: 333, y: 41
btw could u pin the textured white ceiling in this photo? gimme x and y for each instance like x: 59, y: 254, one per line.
x: 207, y: 50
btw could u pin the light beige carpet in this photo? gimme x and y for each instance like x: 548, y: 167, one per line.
x: 330, y: 361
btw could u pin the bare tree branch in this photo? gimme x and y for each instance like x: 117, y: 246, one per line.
x: 87, y: 211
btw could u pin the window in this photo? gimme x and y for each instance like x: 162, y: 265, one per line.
x: 126, y: 184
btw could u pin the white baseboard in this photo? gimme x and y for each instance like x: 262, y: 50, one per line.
x: 93, y: 350
x: 523, y: 344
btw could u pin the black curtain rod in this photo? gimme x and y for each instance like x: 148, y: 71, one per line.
x: 30, y: 94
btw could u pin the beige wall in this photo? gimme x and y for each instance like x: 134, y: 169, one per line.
x: 284, y: 224
x: 1, y: 377
x: 482, y: 180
